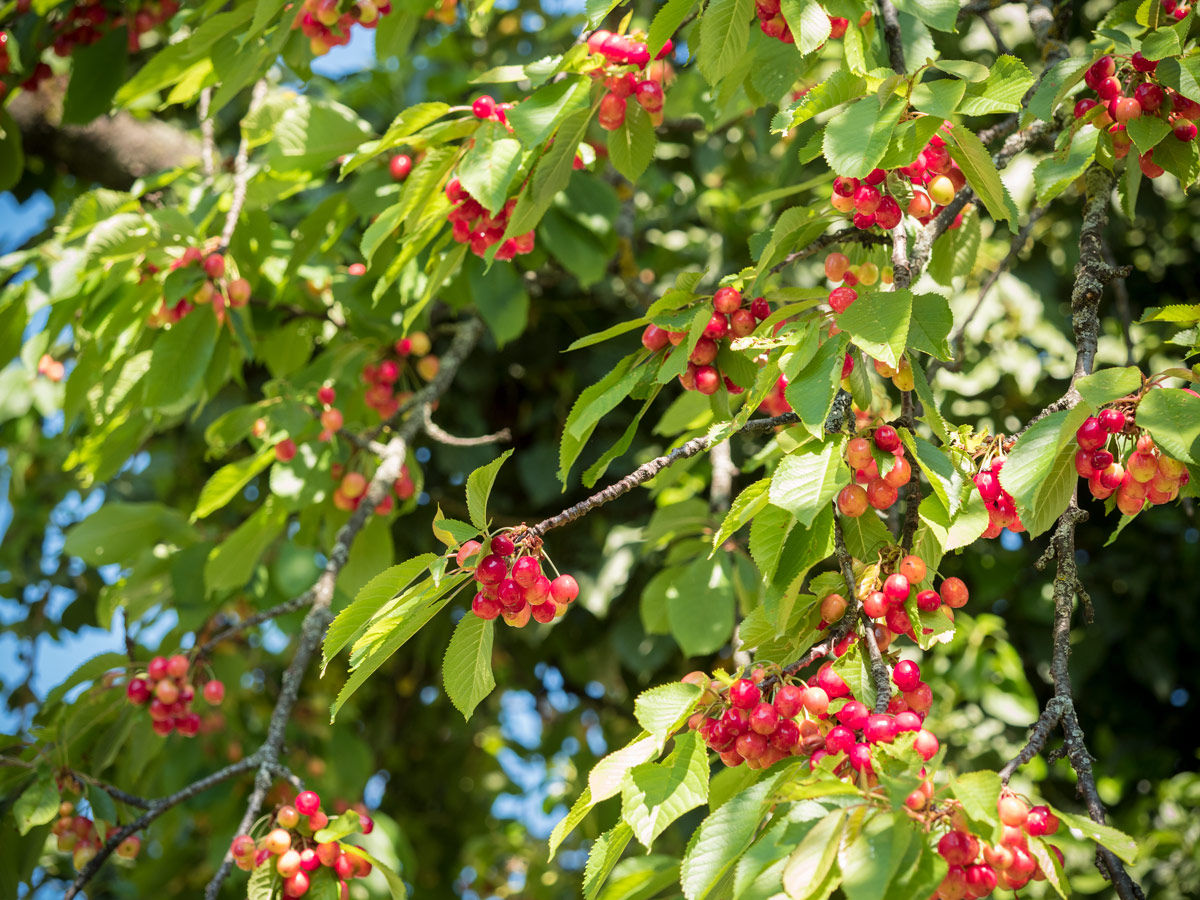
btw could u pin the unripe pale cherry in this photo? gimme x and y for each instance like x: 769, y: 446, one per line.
x: 815, y: 700
x: 1012, y: 810
x: 288, y: 863
x: 167, y: 692
x: 277, y: 841
x: 833, y: 608
x: 852, y: 501
x: 880, y: 494
x: 941, y: 190
x: 858, y: 453
x: 611, y: 113
x: 836, y: 265
x: 465, y: 552
x: 913, y: 568
x: 840, y: 203
x: 1127, y: 109
x: 1141, y: 466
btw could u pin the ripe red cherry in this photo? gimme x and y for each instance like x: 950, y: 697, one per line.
x: 157, y: 668
x: 526, y: 571
x: 887, y: 439
x: 906, y: 675
x: 611, y: 114
x: 485, y: 607
x: 879, y: 729
x: 866, y: 199
x: 735, y: 721
x: 307, y: 802
x: 1141, y: 64
x: 502, y: 545
x: 786, y: 736
x: 751, y: 745
x: 760, y: 308
x: 1127, y: 108
x: 138, y: 691
x: 988, y: 486
x: 839, y: 740
x: 1149, y: 167
x: 744, y: 694
x: 1185, y: 131
x: 928, y: 601
x: 981, y: 880
x: 726, y: 300
x: 1091, y: 435
x: 484, y: 107
x: 920, y: 698
x: 399, y: 166
x: 954, y: 592
x: 858, y: 453
x: 1149, y: 95
x: 704, y: 352
x: 860, y: 758
x: 788, y: 701
x: 1084, y: 106
x: 1040, y: 821
x: 841, y: 298
x: 214, y: 692
x: 896, y: 587
x: 845, y: 187
x: 907, y: 721
x: 876, y: 604
x: 708, y: 380
x: 764, y: 719
x: 831, y: 683
x: 214, y: 265
x: 742, y: 322
x: 888, y: 214
x: 853, y: 715
x: 654, y: 338
x: 717, y: 327
x: 955, y: 846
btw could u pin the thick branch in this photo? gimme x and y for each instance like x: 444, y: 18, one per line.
x: 892, y: 36
x: 879, y: 672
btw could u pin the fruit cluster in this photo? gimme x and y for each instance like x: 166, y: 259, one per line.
x: 298, y: 855
x: 352, y: 487
x: 730, y: 319
x: 743, y: 724
x: 934, y: 177
x: 82, y: 24
x: 51, y: 368
x: 977, y: 868
x: 1147, y: 476
x: 167, y: 688
x: 882, y: 488
x: 773, y: 23
x: 327, y: 23
x: 1002, y: 509
x: 511, y: 583
x: 213, y: 289
x: 1128, y: 92
x: 79, y: 836
x: 474, y: 225
x: 626, y: 59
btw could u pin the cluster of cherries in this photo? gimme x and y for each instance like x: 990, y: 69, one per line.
x: 977, y: 868
x: 1001, y: 508
x: 512, y: 585
x: 935, y: 179
x: 1147, y: 476
x: 773, y: 24
x: 167, y: 688
x: 474, y: 225
x: 885, y: 601
x: 82, y: 25
x: 1130, y: 91
x: 743, y: 724
x: 1176, y: 9
x: 626, y: 75
x: 327, y: 23
x: 51, y: 368
x: 881, y: 490
x: 215, y: 290
x: 352, y: 487
x: 79, y: 836
x: 293, y: 845
x: 730, y: 319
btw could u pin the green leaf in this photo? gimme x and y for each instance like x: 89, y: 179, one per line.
x: 535, y: 118
x: 869, y: 861
x: 38, y: 803
x: 768, y: 533
x: 608, y: 775
x: 119, y: 532
x: 812, y: 391
x: 467, y: 668
x: 840, y: 87
x: 1181, y: 74
x: 878, y: 323
x: 938, y: 98
x: 1008, y: 80
x: 856, y: 140
x: 813, y: 858
x: 490, y: 165
x: 261, y: 885
x: 606, y: 851
x: 666, y: 22
x: 1057, y: 83
x: 1040, y: 472
x: 501, y: 299
x: 479, y: 488
x: 795, y: 227
x: 395, y: 883
x: 724, y: 33
x: 1166, y: 41
x: 311, y: 136
x: 1147, y: 131
x: 631, y: 147
x: 723, y: 837
x: 233, y: 562
x: 937, y: 14
x: 641, y: 877
x: 981, y: 173
x: 552, y: 174
x: 579, y: 810
x: 1172, y: 416
x: 979, y: 792
x: 656, y: 794
x: 700, y: 607
x: 806, y: 481
x: 228, y: 481
x: 1055, y: 174
x: 1117, y: 841
x: 747, y: 505
x: 662, y: 710
x: 179, y: 360
x: 809, y: 24
x: 370, y: 599
x: 339, y: 827
x: 97, y: 70
x: 404, y: 125
x: 930, y: 326
x: 1108, y: 385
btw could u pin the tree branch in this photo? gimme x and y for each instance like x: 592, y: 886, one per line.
x: 892, y: 36
x: 845, y: 236
x: 444, y: 437
x: 241, y: 170
x: 879, y: 672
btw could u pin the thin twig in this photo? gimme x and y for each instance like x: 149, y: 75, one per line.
x: 845, y: 236
x: 444, y: 437
x: 723, y: 471
x: 855, y: 611
x: 208, y: 145
x: 241, y: 170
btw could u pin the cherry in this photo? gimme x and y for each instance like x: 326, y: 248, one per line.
x: 955, y: 847
x: 751, y: 745
x: 831, y: 683
x: 760, y: 308
x: 788, y: 700
x: 138, y: 691
x: 502, y: 545
x: 157, y: 669
x: 704, y: 352
x: 654, y: 338
x: 544, y: 612
x: 906, y: 675
x: 920, y: 205
x: 1084, y: 106
x: 399, y: 166
x: 166, y: 691
x: 853, y: 715
x: 484, y: 107
x: 345, y: 866
x: 833, y: 608
x: 838, y: 26
x: 214, y: 265
x: 326, y: 395
x: 845, y: 187
x: 852, y: 501
x: 465, y: 552
x: 564, y: 589
x: 295, y: 885
x: 875, y: 605
x: 1012, y: 810
x: 839, y: 739
x: 880, y: 494
x: 858, y: 453
x: 277, y: 841
x: 1141, y: 64
x: 786, y: 736
x: 879, y: 728
x: 864, y: 220
x: 836, y: 265
x: 907, y: 721
x: 764, y: 719
x: 214, y: 692
x: 717, y: 327
x: 332, y: 420
x: 866, y: 199
x: 1185, y: 131
x: 1149, y: 167
x: 726, y: 300
x: 744, y: 694
x: 887, y: 439
x: 888, y: 213
x: 708, y: 380
x: 485, y: 607
x: 896, y: 587
x: 526, y: 571
x: 815, y: 700
x: 288, y: 863
x: 308, y: 802
x: 920, y: 698
x: 611, y: 113
x: 941, y: 190
x: 928, y: 601
x: 742, y: 322
x: 1041, y: 821
x: 954, y: 592
x: 1092, y: 434
x: 841, y: 298
x: 860, y: 758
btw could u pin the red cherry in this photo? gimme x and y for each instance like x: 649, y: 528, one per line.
x: 954, y: 592
x: 485, y: 607
x: 564, y: 589
x: 726, y: 300
x: 906, y: 675
x: 880, y: 494
x: 887, y: 439
x: 839, y: 739
x: 853, y: 715
x: 214, y: 692
x: 954, y: 846
x: 157, y: 669
x: 831, y: 683
x: 526, y: 571
x: 717, y: 327
x: 852, y: 501
x: 786, y: 735
x: 879, y: 729
x: 896, y: 587
x: 307, y: 802
x: 907, y: 721
x: 1141, y: 64
x: 841, y: 298
x: 788, y: 700
x: 764, y: 719
x: 138, y: 691
x: 760, y: 308
x: 708, y: 380
x: 214, y: 265
x: 654, y: 338
x: 484, y: 107
x: 502, y: 545
x: 744, y: 694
